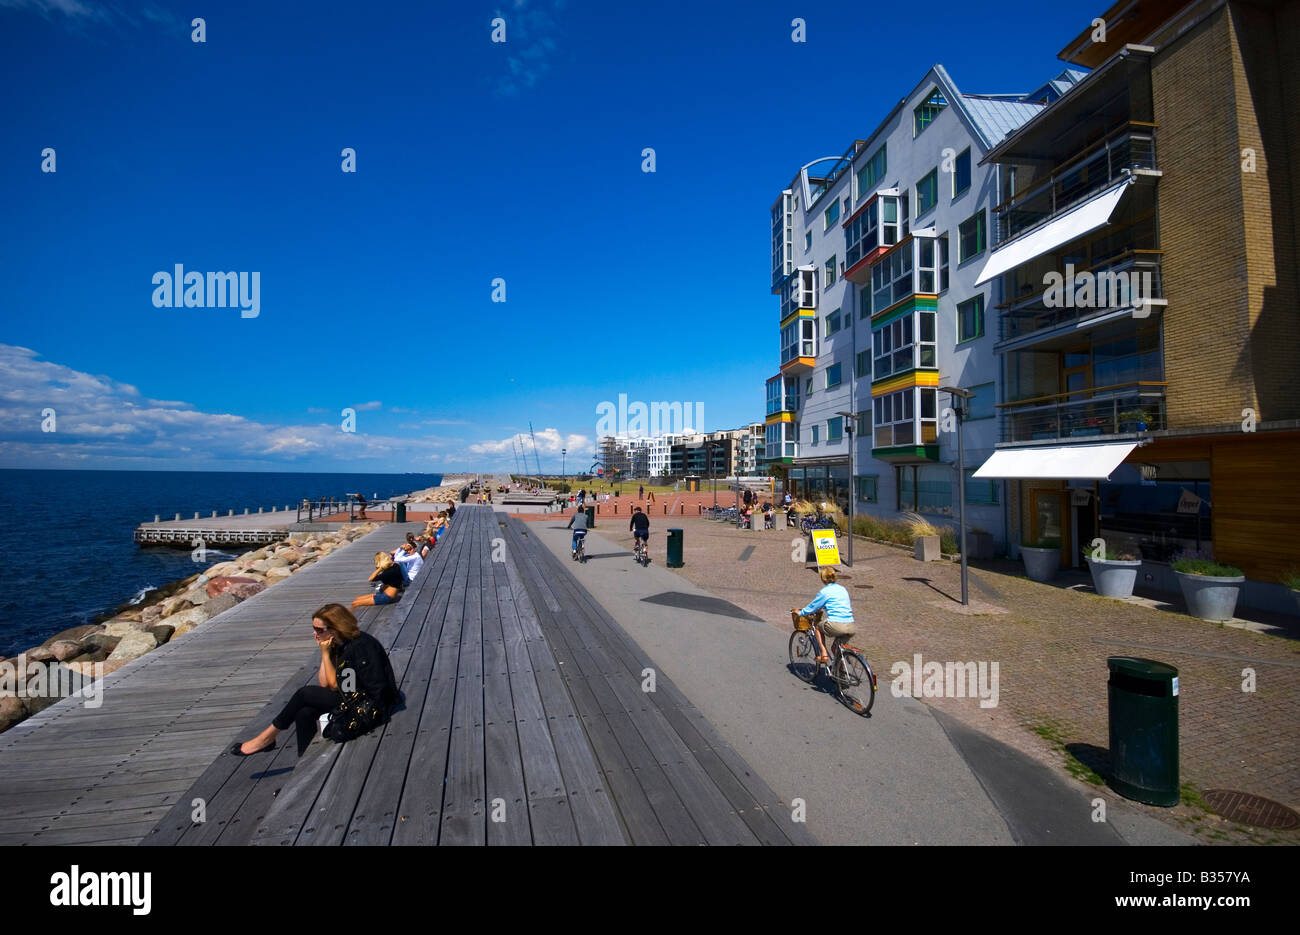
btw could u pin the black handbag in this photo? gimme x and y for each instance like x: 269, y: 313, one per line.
x: 355, y: 715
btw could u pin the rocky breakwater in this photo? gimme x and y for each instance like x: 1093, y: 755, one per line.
x: 69, y: 662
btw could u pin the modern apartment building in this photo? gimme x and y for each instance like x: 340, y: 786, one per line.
x: 875, y: 255
x: 1149, y: 331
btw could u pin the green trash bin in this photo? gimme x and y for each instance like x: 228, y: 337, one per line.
x: 675, y: 542
x: 1143, y: 697
x: 399, y: 512
x: 591, y: 517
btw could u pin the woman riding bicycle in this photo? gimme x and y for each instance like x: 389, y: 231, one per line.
x: 839, y: 612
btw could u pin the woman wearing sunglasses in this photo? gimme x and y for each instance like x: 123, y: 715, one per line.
x: 355, y: 680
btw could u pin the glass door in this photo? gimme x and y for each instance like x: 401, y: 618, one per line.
x: 1048, y: 519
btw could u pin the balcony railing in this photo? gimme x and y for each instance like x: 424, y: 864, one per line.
x: 1030, y: 313
x: 1132, y: 146
x: 1122, y: 409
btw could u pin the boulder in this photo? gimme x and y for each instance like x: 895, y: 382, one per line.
x: 162, y: 632
x: 184, y: 628
x: 64, y: 650
x: 119, y: 628
x: 39, y: 654
x: 197, y: 597
x: 133, y: 646
x: 151, y: 615
x: 74, y: 634
x: 253, y: 556
x: 97, y: 643
x: 223, y: 584
x: 275, y: 574
x: 288, y: 555
x: 219, y: 570
x: 11, y: 711
x: 173, y: 604
x: 193, y: 616
x: 220, y: 604
x: 244, y: 589
x: 261, y: 564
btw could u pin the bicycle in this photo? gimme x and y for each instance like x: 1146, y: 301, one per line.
x: 848, y: 669
x: 580, y: 553
x: 818, y: 520
x: 641, y: 552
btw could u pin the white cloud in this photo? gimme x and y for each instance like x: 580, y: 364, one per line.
x: 364, y: 407
x: 549, y: 442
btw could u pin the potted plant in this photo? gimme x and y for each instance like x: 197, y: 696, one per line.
x: 1042, y: 558
x: 1292, y: 580
x: 1210, y: 588
x: 1133, y: 420
x: 1114, y: 572
x: 925, y: 540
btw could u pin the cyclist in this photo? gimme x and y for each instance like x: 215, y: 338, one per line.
x: 639, y: 526
x: 839, y: 612
x: 579, y: 526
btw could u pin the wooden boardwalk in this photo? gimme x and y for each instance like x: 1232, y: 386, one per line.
x: 524, y: 722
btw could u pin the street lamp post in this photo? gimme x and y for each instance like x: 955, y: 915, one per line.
x: 564, y: 475
x: 959, y: 396
x: 848, y: 425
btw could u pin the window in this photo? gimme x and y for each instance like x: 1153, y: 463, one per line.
x: 970, y: 319
x: 871, y: 172
x: 807, y: 387
x: 981, y: 490
x: 904, y: 201
x: 891, y: 279
x: 867, y: 485
x: 925, y: 265
x: 864, y: 303
x: 832, y: 214
x: 815, y: 432
x: 981, y: 405
x: 896, y: 422
x: 833, y: 322
x: 832, y: 376
x: 863, y: 428
x: 961, y: 173
x: 829, y: 279
x: 927, y: 192
x: 971, y: 237
x: 807, y: 241
x: 799, y: 339
x: 943, y: 262
x: 835, y: 429
x: 927, y: 110
x: 862, y: 369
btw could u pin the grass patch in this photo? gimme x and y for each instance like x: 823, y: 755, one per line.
x: 904, y: 532
x: 1054, y: 734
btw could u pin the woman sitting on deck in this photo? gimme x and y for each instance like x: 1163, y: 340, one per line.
x: 355, y: 686
x: 390, y: 581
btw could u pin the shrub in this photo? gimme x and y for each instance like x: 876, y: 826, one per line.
x: 922, y: 527
x: 1291, y: 579
x: 1114, y: 555
x: 1190, y: 565
x: 1048, y: 543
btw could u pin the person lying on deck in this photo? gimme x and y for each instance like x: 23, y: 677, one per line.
x: 355, y: 686
x: 390, y: 581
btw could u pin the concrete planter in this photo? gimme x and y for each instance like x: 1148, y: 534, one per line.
x: 1040, y: 564
x: 1210, y: 598
x: 979, y: 546
x: 926, y: 548
x: 1114, y: 577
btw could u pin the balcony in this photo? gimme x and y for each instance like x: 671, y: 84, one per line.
x: 1125, y: 150
x: 1134, y: 272
x: 799, y: 291
x: 1085, y: 414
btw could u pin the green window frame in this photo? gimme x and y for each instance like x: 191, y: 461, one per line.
x: 972, y: 237
x: 835, y: 429
x: 815, y: 432
x: 832, y: 214
x: 970, y: 319
x: 832, y: 376
x: 807, y: 241
x: 863, y: 427
x: 862, y: 369
x: 872, y: 171
x: 926, y: 112
x: 981, y: 491
x: 833, y: 322
x: 961, y: 173
x: 828, y: 280
x: 927, y: 192
x: 868, y: 488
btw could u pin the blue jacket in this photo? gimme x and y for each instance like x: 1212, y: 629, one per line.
x: 835, y: 599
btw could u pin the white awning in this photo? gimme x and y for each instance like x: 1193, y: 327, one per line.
x: 1063, y: 462
x: 1076, y: 222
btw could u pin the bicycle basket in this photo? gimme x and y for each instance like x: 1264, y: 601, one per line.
x: 804, y: 622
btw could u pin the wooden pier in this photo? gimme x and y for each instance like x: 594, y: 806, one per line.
x: 524, y: 722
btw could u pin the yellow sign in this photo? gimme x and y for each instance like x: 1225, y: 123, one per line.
x: 826, y: 547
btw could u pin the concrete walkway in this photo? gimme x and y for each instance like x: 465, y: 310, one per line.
x: 904, y: 776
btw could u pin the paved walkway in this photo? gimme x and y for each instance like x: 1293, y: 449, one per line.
x: 907, y: 775
x: 1051, y: 646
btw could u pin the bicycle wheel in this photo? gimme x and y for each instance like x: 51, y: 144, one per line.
x: 803, y: 655
x: 857, y: 683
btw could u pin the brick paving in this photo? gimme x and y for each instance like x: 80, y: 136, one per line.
x: 1051, y: 646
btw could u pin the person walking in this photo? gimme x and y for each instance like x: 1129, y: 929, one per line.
x: 640, y: 492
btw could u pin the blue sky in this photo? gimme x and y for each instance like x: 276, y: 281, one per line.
x: 475, y: 161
